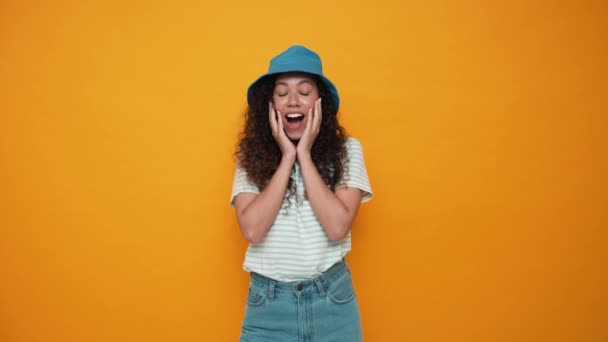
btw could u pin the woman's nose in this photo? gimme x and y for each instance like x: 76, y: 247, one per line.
x: 292, y: 100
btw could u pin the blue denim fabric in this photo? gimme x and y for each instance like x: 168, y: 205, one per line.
x: 322, y: 309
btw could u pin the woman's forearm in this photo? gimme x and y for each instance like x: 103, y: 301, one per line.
x: 332, y: 213
x: 258, y: 216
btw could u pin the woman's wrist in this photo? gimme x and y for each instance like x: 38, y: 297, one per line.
x: 304, y: 155
x: 288, y: 158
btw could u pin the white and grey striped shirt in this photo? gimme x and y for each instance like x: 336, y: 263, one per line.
x: 296, y: 246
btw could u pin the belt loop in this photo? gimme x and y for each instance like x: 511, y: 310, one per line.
x: 271, y: 290
x: 320, y: 287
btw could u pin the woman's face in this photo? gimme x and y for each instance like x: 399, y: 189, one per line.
x: 294, y: 95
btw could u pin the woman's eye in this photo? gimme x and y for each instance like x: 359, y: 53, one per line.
x: 281, y: 94
x: 304, y: 94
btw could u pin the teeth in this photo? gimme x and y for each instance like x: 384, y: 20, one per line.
x: 295, y: 115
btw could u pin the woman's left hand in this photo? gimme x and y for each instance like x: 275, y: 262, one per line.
x: 311, y: 131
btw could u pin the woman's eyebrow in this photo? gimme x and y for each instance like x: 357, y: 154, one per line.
x: 299, y: 83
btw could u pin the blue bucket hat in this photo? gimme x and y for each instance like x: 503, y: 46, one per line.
x: 297, y: 58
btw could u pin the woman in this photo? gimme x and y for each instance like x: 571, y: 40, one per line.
x: 297, y: 189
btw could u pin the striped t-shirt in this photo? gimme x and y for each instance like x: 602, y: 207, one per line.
x: 296, y: 247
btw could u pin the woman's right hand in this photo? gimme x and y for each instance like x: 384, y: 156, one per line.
x: 288, y: 149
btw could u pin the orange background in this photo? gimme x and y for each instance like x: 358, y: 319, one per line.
x: 484, y: 130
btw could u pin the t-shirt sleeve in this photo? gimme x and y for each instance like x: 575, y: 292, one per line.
x: 355, y: 174
x: 241, y: 184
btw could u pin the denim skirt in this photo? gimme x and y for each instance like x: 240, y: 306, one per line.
x: 322, y: 309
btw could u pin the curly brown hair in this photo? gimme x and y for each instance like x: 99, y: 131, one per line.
x: 259, y: 154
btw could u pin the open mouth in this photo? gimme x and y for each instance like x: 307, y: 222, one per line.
x: 295, y: 118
